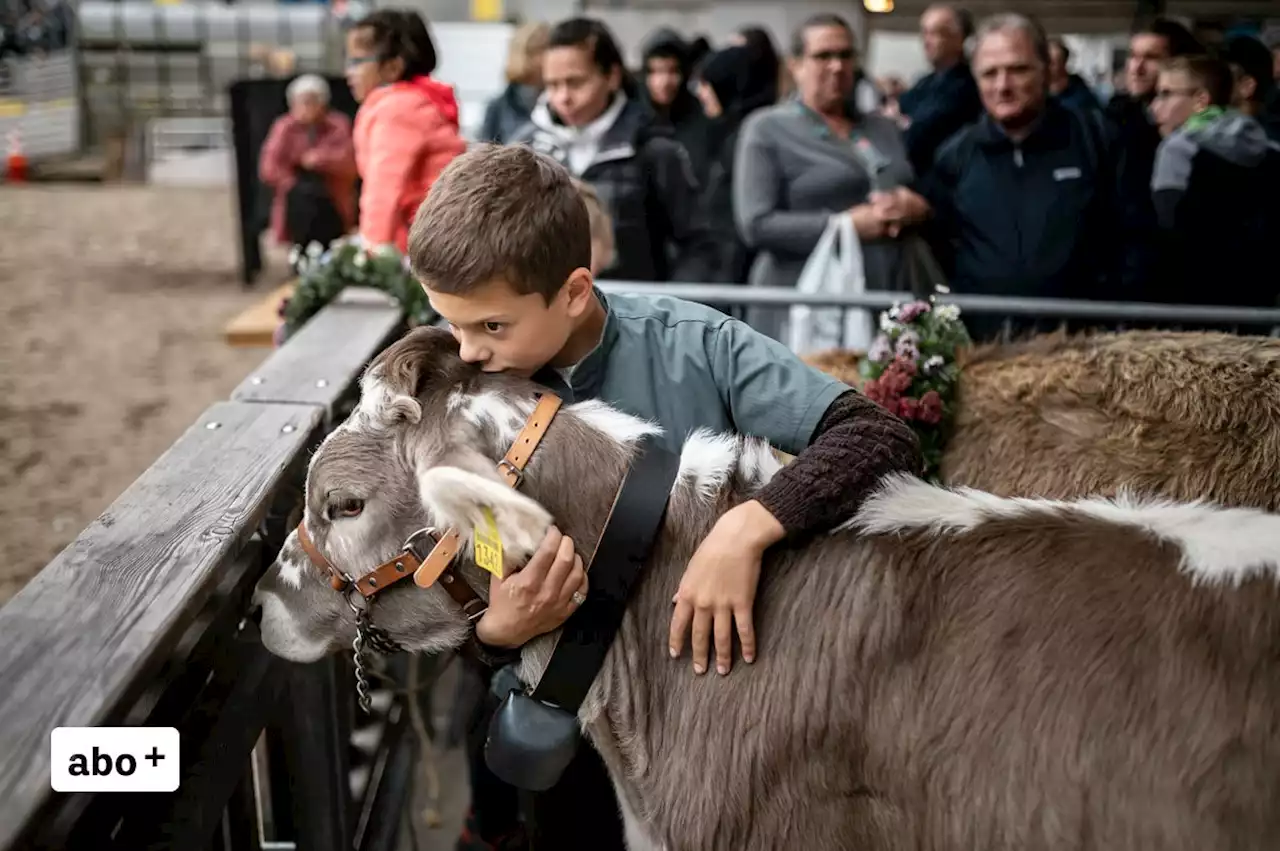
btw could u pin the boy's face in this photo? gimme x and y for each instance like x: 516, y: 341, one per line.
x: 1177, y: 99
x: 502, y: 331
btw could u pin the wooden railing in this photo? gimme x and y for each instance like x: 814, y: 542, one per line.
x: 139, y: 621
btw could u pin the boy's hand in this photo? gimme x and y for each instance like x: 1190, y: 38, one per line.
x: 537, y: 598
x: 719, y: 586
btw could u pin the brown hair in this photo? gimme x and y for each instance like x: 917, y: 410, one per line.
x: 501, y: 212
x: 523, y: 52
x: 601, y: 224
x: 1212, y: 75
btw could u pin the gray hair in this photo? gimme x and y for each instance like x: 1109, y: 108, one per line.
x: 1007, y: 21
x: 308, y: 84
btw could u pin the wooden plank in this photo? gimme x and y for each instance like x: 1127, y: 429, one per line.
x: 320, y: 364
x: 255, y: 326
x: 81, y: 640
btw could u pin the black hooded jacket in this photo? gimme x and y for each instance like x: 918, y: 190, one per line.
x: 684, y: 118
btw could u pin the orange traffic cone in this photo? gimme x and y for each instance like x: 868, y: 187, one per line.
x: 16, y: 162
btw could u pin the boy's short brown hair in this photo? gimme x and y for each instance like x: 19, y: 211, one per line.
x: 501, y: 212
x: 1209, y: 73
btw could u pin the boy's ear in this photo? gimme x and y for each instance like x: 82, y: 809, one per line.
x: 579, y: 289
x: 457, y: 498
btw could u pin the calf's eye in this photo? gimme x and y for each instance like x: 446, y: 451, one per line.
x: 349, y: 507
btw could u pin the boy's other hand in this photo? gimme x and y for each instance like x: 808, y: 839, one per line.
x: 719, y: 587
x: 537, y: 598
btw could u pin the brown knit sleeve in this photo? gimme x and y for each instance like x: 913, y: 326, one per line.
x: 855, y: 444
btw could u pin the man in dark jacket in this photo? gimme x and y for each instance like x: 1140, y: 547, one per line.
x: 1024, y: 198
x: 945, y: 99
x: 666, y: 76
x: 1136, y: 137
x: 1070, y: 89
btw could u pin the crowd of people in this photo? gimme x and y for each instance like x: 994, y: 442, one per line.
x: 727, y: 163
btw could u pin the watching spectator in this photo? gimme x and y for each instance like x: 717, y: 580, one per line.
x: 1255, y: 90
x: 1070, y: 89
x: 945, y: 99
x: 591, y: 121
x: 309, y: 163
x: 1137, y: 138
x: 406, y: 131
x: 507, y: 114
x: 722, y: 87
x: 764, y: 80
x: 1214, y: 190
x: 667, y: 66
x: 1024, y: 198
x: 804, y: 161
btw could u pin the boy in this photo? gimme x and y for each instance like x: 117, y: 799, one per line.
x: 1213, y: 188
x: 502, y: 246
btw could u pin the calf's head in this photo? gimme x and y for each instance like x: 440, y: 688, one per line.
x: 421, y: 450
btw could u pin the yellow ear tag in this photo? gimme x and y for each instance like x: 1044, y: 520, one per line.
x: 488, y: 544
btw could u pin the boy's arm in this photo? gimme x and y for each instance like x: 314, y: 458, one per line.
x: 844, y: 444
x: 855, y: 444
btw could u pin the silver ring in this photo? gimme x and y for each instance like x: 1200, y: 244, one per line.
x: 579, y: 598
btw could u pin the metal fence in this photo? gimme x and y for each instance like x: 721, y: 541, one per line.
x: 1111, y: 315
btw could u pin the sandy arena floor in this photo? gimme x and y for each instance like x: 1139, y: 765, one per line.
x: 114, y: 300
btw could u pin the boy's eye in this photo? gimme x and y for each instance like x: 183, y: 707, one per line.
x: 493, y: 327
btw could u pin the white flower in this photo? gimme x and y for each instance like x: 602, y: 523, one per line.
x: 314, y: 250
x: 295, y: 254
x: 933, y: 363
x: 887, y: 324
x: 360, y: 260
x: 948, y: 313
x: 893, y: 311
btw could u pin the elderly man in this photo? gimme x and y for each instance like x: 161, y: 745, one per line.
x: 309, y: 162
x: 945, y: 99
x: 1024, y: 198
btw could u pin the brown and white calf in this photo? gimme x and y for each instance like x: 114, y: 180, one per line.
x: 954, y: 670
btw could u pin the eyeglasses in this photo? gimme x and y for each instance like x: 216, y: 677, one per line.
x: 823, y: 56
x: 1165, y: 94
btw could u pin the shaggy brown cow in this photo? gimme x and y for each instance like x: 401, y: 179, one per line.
x: 954, y: 670
x: 1181, y: 415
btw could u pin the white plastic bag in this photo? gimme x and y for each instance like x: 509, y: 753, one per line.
x: 834, y: 267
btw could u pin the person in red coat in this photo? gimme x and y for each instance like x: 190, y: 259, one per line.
x: 406, y: 131
x: 309, y: 153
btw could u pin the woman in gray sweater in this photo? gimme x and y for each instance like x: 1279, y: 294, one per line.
x: 802, y: 162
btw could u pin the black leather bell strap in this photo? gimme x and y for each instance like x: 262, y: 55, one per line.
x: 619, y: 558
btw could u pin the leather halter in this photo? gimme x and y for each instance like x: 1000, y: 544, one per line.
x: 426, y: 568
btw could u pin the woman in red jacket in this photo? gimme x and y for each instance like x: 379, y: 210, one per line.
x: 406, y: 131
x: 308, y: 155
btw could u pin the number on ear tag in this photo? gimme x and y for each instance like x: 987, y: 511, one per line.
x: 488, y: 544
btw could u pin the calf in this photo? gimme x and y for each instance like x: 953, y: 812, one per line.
x: 953, y: 670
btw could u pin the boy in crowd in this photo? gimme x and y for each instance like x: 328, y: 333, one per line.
x: 502, y: 246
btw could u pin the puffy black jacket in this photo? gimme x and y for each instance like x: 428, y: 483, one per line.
x: 646, y: 183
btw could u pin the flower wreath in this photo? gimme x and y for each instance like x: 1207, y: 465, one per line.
x: 911, y: 370
x: 322, y: 274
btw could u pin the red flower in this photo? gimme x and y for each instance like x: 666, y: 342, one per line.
x: 908, y: 408
x: 930, y: 408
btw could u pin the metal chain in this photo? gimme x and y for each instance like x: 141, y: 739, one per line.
x: 368, y: 637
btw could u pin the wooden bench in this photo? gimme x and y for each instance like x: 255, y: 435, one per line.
x: 255, y: 326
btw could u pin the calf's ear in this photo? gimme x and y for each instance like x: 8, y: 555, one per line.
x: 457, y: 498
